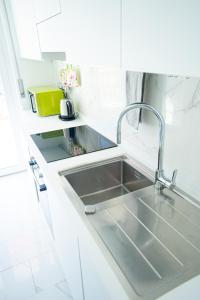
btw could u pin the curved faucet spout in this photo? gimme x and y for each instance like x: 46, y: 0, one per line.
x: 160, y: 178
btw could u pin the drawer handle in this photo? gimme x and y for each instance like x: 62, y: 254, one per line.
x: 34, y: 166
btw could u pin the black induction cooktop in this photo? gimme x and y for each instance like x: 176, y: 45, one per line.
x: 69, y: 142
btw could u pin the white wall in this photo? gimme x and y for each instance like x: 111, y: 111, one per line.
x: 35, y: 73
x: 101, y: 98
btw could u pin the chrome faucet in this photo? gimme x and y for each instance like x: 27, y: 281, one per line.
x: 160, y: 180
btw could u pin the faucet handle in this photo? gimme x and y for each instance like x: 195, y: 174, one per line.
x: 172, y: 182
x: 162, y: 181
x: 174, y: 176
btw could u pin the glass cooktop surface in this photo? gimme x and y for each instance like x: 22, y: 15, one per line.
x: 69, y: 142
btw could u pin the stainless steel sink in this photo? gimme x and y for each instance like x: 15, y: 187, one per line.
x: 152, y: 235
x: 106, y: 180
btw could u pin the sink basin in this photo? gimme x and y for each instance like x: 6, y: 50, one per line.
x: 105, y: 180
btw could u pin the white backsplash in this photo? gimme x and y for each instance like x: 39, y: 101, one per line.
x: 101, y: 97
x: 179, y: 102
x: 35, y: 73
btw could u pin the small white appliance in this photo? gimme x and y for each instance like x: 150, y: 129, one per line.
x: 66, y: 110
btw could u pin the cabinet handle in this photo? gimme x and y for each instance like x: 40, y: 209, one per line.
x: 32, y: 162
x: 34, y: 166
x: 42, y: 187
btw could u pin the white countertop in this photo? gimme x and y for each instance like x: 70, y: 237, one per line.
x: 31, y: 123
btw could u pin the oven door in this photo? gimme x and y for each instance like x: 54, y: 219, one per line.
x: 41, y: 191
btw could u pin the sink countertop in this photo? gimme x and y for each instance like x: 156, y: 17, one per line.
x: 169, y: 213
x: 154, y: 233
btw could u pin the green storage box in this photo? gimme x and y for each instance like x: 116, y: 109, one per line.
x: 45, y: 100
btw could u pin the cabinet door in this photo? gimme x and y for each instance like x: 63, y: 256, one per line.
x: 92, y: 283
x: 26, y: 30
x: 66, y: 242
x: 46, y: 9
x: 51, y: 35
x: 92, y: 31
x: 44, y: 206
x: 161, y: 36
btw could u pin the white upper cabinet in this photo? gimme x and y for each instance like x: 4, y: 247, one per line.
x: 161, y: 36
x: 26, y: 29
x: 88, y: 31
x: 51, y: 34
x: 46, y: 9
x: 92, y: 31
x: 155, y: 36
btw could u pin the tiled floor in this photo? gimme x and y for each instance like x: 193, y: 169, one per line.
x: 29, y: 268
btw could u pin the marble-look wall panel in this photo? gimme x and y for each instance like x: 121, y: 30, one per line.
x: 101, y: 97
x: 178, y: 99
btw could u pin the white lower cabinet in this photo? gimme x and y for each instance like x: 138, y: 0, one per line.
x: 66, y: 242
x: 88, y: 279
x: 75, y: 254
x: 68, y: 250
x: 93, y: 287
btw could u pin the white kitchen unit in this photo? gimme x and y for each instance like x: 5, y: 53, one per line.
x: 75, y: 254
x: 98, y: 260
x: 161, y: 36
x: 92, y: 282
x: 51, y: 34
x: 78, y: 252
x: 88, y: 31
x: 143, y: 36
x: 46, y: 9
x: 92, y: 31
x: 38, y: 27
x: 86, y: 269
x: 42, y: 192
x: 66, y: 242
x: 24, y: 19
